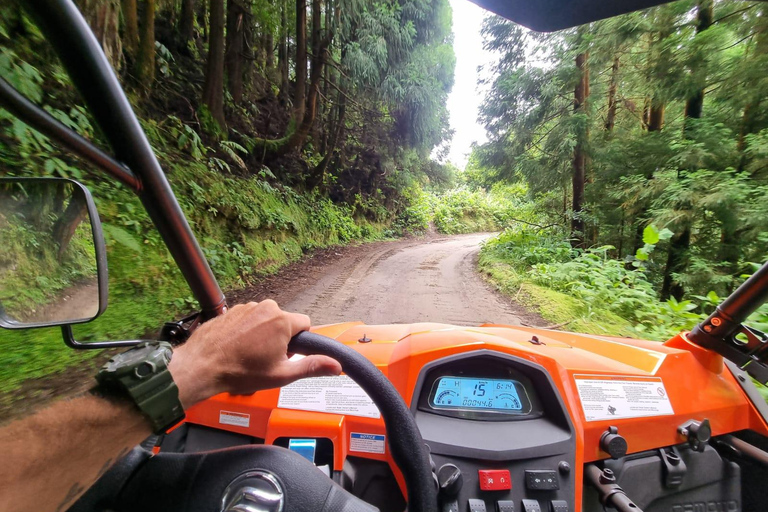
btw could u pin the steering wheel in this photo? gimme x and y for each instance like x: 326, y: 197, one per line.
x: 259, y: 478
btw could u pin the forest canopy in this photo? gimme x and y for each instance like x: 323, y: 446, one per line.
x: 655, y: 119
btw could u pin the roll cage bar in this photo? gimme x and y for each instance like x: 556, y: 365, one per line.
x: 136, y: 167
x: 135, y: 164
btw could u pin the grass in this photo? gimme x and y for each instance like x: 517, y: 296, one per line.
x: 555, y: 307
x: 247, y: 229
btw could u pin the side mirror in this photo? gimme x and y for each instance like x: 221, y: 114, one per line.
x: 53, y: 265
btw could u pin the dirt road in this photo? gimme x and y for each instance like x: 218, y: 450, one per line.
x: 404, y: 281
x: 434, y: 281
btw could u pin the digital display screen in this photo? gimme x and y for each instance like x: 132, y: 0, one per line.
x: 478, y: 394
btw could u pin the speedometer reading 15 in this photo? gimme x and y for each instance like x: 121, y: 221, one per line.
x: 477, y: 394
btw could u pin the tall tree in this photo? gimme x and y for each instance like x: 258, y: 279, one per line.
x: 235, y: 48
x: 186, y: 26
x: 130, y: 27
x: 213, y: 89
x: 300, y: 93
x: 145, y: 60
x: 283, y: 61
x: 677, y: 256
x: 580, y: 96
x: 610, y: 118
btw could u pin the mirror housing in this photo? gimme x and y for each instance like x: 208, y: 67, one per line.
x: 51, y: 237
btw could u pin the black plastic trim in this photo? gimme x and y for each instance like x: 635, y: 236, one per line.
x: 13, y: 101
x: 554, y: 430
x: 745, y: 381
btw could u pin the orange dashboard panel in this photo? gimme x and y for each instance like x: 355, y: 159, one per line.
x: 645, y: 389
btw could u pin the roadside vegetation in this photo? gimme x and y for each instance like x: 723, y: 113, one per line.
x: 640, y: 142
x: 283, y: 127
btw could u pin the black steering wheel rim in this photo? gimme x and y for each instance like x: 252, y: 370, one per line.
x: 403, y: 436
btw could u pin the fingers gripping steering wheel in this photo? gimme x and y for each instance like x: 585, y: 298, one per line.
x: 268, y: 478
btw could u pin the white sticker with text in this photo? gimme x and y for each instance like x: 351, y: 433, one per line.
x: 366, y: 443
x: 339, y: 395
x: 237, y: 419
x: 606, y: 397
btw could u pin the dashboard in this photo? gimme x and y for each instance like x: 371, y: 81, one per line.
x: 512, y: 417
x: 499, y: 421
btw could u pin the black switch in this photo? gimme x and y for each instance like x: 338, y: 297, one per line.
x: 531, y: 506
x: 505, y: 506
x: 476, y: 506
x: 541, y: 480
x: 559, y: 505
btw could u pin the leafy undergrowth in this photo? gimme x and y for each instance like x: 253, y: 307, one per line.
x: 461, y: 210
x: 588, y: 289
x: 556, y: 307
x: 588, y: 292
x: 247, y: 227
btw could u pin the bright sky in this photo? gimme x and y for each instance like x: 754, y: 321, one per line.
x: 465, y: 99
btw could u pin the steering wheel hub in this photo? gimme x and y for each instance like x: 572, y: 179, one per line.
x: 254, y: 491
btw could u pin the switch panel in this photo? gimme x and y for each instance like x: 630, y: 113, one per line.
x: 505, y: 506
x: 559, y: 506
x: 476, y: 506
x: 494, y: 479
x: 541, y: 480
x: 531, y: 506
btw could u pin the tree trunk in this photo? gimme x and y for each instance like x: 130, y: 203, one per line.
x: 282, y: 55
x: 656, y: 115
x: 695, y: 103
x: 103, y: 17
x: 317, y: 29
x: 269, y: 48
x: 235, y: 47
x: 213, y: 90
x: 581, y: 94
x: 145, y: 61
x: 66, y: 225
x: 299, y: 97
x: 318, y: 173
x: 186, y: 25
x: 677, y: 257
x: 130, y: 27
x: 610, y: 119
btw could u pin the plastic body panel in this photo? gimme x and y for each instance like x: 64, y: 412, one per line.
x: 709, y: 483
x: 698, y: 384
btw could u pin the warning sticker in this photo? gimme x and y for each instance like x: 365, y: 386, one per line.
x: 237, y: 419
x: 340, y: 395
x: 366, y: 443
x: 605, y: 397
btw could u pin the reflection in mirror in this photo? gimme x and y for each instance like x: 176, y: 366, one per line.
x: 48, y: 262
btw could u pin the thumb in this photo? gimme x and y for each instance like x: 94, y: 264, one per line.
x: 310, y: 366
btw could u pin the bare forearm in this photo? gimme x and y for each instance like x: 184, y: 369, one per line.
x: 81, y: 438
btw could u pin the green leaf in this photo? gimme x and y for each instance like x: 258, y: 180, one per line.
x: 641, y: 255
x: 665, y: 234
x: 651, y: 235
x: 122, y: 237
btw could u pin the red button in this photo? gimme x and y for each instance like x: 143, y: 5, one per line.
x: 494, y: 479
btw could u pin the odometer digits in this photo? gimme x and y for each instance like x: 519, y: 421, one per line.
x: 498, y: 395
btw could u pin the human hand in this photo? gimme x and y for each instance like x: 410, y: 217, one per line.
x: 243, y: 351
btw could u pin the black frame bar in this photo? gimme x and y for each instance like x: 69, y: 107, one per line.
x: 45, y: 123
x: 79, y: 51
